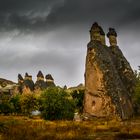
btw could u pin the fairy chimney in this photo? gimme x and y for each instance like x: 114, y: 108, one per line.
x: 40, y: 76
x: 28, y: 84
x: 112, y: 35
x: 40, y: 83
x: 109, y: 79
x: 95, y: 33
x: 20, y: 78
x: 49, y: 80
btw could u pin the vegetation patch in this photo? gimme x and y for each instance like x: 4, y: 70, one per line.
x: 24, y: 128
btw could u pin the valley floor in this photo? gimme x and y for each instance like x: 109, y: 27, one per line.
x: 24, y: 128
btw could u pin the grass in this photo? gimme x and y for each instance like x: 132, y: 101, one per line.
x: 24, y: 128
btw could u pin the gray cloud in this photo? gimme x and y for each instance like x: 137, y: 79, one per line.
x: 37, y: 15
x: 51, y: 35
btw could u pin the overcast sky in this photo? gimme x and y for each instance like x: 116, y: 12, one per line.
x: 52, y: 35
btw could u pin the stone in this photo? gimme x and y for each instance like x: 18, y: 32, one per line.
x: 40, y: 76
x: 7, y: 87
x: 77, y: 117
x: 112, y: 37
x: 50, y: 81
x: 40, y: 83
x: 109, y: 81
x: 28, y: 84
x: 102, y: 36
x: 95, y: 32
x: 4, y: 82
x: 20, y: 78
x: 20, y: 83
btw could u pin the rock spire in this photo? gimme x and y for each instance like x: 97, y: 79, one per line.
x: 109, y: 78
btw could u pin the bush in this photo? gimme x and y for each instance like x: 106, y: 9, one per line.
x: 56, y: 105
x: 28, y: 103
x: 78, y: 96
x: 6, y: 107
x: 15, y: 101
x: 136, y: 96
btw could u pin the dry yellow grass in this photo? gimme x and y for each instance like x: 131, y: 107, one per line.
x: 23, y: 128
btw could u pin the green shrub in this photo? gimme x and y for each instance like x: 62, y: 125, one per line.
x: 78, y: 96
x: 28, y: 103
x: 56, y: 105
x: 15, y: 101
x: 6, y: 107
x: 136, y: 96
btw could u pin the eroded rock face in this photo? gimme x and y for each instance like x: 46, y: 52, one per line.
x: 26, y: 84
x: 49, y: 81
x: 40, y: 83
x: 109, y: 81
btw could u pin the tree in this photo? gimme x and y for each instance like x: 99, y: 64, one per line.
x: 56, y: 104
x: 28, y: 103
x: 78, y: 96
x: 15, y: 101
x: 136, y: 97
x: 6, y: 107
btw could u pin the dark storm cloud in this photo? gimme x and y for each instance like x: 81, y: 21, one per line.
x: 108, y: 12
x: 50, y: 14
x: 35, y: 34
x: 25, y: 14
x: 23, y: 6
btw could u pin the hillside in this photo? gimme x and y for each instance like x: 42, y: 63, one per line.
x: 4, y: 82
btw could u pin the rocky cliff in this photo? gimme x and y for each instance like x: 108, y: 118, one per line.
x: 109, y: 79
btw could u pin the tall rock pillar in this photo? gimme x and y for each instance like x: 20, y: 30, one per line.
x: 112, y: 35
x: 106, y: 95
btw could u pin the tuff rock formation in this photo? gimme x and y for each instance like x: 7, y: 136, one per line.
x: 20, y: 83
x: 109, y: 79
x: 25, y: 84
x: 5, y: 82
x: 40, y: 83
x: 7, y: 87
x: 28, y: 83
x: 50, y: 81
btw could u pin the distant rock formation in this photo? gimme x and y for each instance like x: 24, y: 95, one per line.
x: 78, y: 87
x: 26, y: 84
x: 40, y: 83
x: 4, y: 82
x: 7, y: 87
x: 109, y: 79
x: 20, y: 83
x: 50, y: 81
